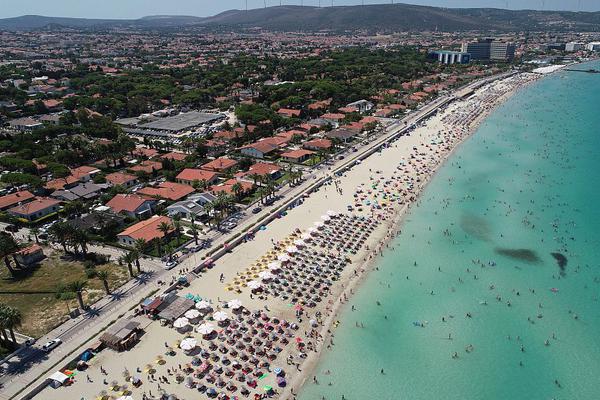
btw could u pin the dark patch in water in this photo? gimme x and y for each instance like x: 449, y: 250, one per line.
x: 526, y: 255
x: 561, y: 260
x: 475, y: 226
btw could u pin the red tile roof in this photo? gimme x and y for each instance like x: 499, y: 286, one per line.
x: 193, y: 174
x: 176, y: 156
x: 318, y: 144
x: 83, y: 171
x: 126, y: 202
x: 120, y: 178
x: 333, y: 116
x: 220, y: 164
x: 296, y: 154
x: 60, y: 183
x: 288, y: 112
x: 263, y: 169
x: 36, y: 205
x: 148, y: 229
x: 147, y: 166
x: 168, y: 190
x: 15, y: 198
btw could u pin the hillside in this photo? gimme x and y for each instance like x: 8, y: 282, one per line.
x: 382, y: 17
x: 404, y: 17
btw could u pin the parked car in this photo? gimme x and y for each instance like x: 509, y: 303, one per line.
x: 170, y: 264
x: 256, y: 210
x: 51, y: 345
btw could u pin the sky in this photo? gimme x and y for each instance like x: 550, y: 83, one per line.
x: 126, y: 9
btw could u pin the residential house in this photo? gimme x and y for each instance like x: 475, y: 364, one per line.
x: 25, y: 124
x: 146, y: 230
x: 35, y: 209
x: 333, y: 118
x: 147, y: 166
x: 289, y: 113
x: 345, y: 135
x: 174, y: 156
x: 190, y: 175
x: 261, y: 169
x: 82, y: 191
x: 220, y: 165
x: 14, y: 199
x: 167, y: 191
x: 192, y: 207
x: 361, y: 106
x: 318, y: 144
x: 133, y: 205
x: 297, y: 156
x: 84, y: 173
x: 29, y: 255
x: 228, y: 186
x: 122, y: 179
x: 259, y: 149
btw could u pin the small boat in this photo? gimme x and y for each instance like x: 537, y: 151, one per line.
x: 554, y: 290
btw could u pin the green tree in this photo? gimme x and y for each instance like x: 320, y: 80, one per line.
x: 10, y: 318
x: 78, y: 287
x: 103, y: 277
x: 8, y: 245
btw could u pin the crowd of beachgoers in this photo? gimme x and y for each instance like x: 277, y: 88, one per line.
x: 256, y: 329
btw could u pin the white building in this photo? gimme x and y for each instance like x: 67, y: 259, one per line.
x: 593, y: 46
x: 574, y: 46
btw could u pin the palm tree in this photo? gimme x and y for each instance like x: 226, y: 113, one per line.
x: 209, y: 207
x: 103, y: 276
x: 177, y: 227
x: 60, y: 232
x: 78, y: 287
x: 165, y: 228
x: 139, y: 246
x: 11, y: 319
x: 237, y: 189
x: 135, y: 255
x: 128, y: 258
x: 3, y: 325
x: 194, y: 231
x: 80, y: 238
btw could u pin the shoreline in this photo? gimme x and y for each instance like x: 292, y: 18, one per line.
x: 392, y: 229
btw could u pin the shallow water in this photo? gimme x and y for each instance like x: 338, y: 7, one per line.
x: 525, y: 186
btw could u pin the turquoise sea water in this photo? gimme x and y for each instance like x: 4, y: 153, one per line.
x: 526, y: 185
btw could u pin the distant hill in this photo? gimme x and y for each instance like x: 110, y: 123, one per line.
x: 29, y: 22
x: 405, y: 17
x: 381, y: 17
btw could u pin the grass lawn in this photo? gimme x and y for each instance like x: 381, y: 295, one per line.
x: 43, y: 311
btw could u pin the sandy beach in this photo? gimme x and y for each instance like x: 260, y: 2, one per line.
x: 342, y: 228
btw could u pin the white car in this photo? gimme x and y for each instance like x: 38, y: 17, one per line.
x: 51, y: 345
x: 170, y: 264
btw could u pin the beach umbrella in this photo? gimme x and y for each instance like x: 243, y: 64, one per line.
x: 254, y: 285
x: 234, y: 304
x: 319, y: 224
x: 299, y: 242
x: 192, y: 314
x: 188, y: 344
x: 325, y: 218
x: 331, y: 213
x: 291, y: 249
x: 306, y: 236
x: 203, y: 305
x: 283, y: 258
x: 206, y: 328
x: 274, y: 265
x: 220, y: 316
x: 266, y: 275
x: 125, y: 398
x: 181, y: 323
